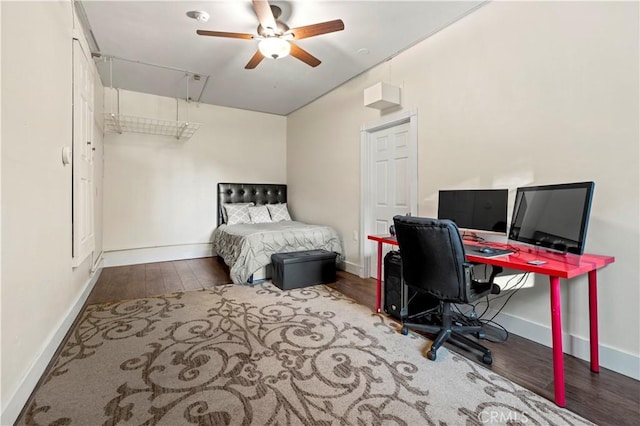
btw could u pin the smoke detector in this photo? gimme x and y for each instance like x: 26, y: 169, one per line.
x: 198, y: 15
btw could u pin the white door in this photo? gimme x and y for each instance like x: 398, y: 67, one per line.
x: 390, y: 183
x: 83, y: 232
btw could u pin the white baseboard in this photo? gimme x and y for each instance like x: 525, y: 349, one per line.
x: 17, y: 401
x: 156, y: 254
x: 610, y: 358
x: 352, y: 268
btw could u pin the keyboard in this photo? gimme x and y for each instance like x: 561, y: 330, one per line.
x: 476, y: 250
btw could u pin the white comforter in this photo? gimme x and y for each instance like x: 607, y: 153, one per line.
x: 248, y: 247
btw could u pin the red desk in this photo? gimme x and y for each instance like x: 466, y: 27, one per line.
x: 557, y: 266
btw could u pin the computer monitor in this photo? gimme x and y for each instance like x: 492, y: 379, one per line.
x: 552, y: 216
x: 475, y: 210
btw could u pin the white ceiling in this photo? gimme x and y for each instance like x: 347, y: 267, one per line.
x: 140, y: 33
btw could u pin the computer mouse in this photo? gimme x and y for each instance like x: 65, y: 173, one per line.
x: 486, y: 250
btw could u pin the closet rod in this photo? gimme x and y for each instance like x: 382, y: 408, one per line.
x: 103, y: 55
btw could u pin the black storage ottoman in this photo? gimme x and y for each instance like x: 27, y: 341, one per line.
x: 303, y: 268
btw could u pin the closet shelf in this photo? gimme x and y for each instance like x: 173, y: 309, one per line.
x: 181, y: 130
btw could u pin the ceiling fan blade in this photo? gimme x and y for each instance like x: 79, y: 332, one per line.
x: 264, y: 14
x: 254, y: 61
x: 304, y: 56
x: 317, y: 29
x: 224, y: 34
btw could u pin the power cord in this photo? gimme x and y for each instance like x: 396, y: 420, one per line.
x: 496, y: 325
x: 472, y: 237
x: 469, y: 318
x: 519, y: 284
x: 479, y: 319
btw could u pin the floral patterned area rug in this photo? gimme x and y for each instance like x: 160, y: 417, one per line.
x: 241, y: 355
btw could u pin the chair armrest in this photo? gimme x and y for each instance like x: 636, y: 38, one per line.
x: 475, y: 288
x: 479, y: 289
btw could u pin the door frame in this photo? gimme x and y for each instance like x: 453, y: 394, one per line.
x: 367, y: 248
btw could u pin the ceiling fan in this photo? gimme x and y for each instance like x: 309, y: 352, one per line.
x: 276, y: 38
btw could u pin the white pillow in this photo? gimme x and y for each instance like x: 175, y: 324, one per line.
x: 278, y: 212
x: 259, y: 214
x: 237, y: 213
x: 224, y: 209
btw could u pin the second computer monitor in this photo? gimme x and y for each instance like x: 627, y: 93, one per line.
x: 553, y: 216
x: 475, y: 210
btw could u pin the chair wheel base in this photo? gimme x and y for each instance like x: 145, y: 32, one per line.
x: 431, y: 355
x: 404, y: 330
x: 487, y: 359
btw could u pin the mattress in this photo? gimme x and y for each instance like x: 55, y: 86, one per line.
x: 247, y: 248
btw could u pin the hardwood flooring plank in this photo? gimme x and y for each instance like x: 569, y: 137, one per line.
x: 208, y: 272
x: 172, y: 282
x: 186, y: 275
x: 204, y: 275
x: 538, y: 374
x: 99, y: 294
x: 124, y: 283
x: 154, y: 281
x: 356, y: 288
x: 220, y: 270
x: 136, y: 287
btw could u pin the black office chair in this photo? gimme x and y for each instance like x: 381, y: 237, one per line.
x: 433, y: 261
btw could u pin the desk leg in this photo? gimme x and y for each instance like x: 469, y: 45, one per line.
x: 556, y: 333
x: 379, y: 278
x: 593, y: 321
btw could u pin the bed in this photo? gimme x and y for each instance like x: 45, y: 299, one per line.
x: 247, y: 247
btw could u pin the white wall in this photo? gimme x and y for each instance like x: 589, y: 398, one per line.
x: 41, y: 292
x: 161, y: 192
x: 515, y: 94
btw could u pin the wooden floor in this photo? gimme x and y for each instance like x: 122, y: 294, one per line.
x: 606, y: 398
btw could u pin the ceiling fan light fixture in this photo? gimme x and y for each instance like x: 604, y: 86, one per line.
x: 274, y: 47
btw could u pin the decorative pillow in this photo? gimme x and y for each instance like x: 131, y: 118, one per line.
x: 259, y: 214
x: 224, y: 209
x: 237, y: 213
x: 279, y: 212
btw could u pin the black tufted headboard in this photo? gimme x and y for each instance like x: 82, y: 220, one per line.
x: 259, y: 193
